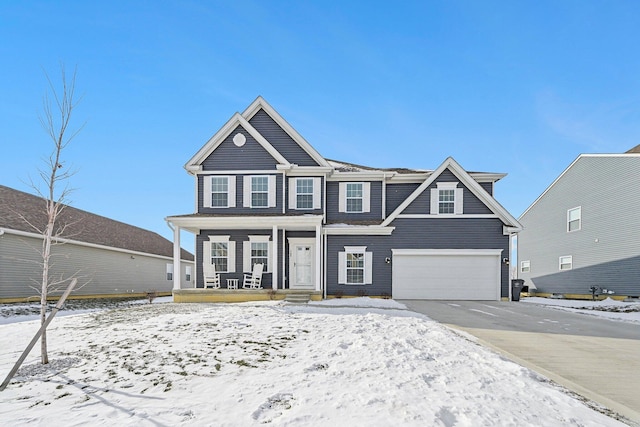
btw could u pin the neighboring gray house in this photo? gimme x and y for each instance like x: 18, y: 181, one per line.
x: 109, y: 258
x: 330, y: 228
x: 583, y: 232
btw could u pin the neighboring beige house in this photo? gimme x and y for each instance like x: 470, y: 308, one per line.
x: 110, y: 258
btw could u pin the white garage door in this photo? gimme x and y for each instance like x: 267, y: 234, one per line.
x: 472, y: 274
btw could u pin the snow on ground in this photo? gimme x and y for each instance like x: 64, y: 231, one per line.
x: 608, y: 308
x: 365, y: 363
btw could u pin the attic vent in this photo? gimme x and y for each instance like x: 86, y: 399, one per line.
x: 239, y: 140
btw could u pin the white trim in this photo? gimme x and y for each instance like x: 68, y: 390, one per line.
x: 473, y: 186
x: 247, y: 191
x: 306, y: 241
x: 238, y: 172
x: 246, y: 252
x: 317, y: 190
x: 231, y: 252
x: 357, y: 230
x: 88, y: 245
x: 367, y: 265
x: 271, y: 196
x: 522, y: 266
x: 570, y: 263
x: 260, y: 103
x: 290, y: 222
x: 440, y: 216
x: 274, y: 258
x: 418, y: 252
x: 360, y: 176
x: 231, y: 191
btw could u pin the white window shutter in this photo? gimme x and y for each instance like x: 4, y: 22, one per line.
x: 206, y: 191
x: 342, y: 197
x: 366, y: 197
x: 231, y: 257
x: 246, y: 256
x: 231, y: 194
x: 246, y: 191
x: 206, y: 255
x: 272, y: 191
x: 342, y: 268
x: 459, y: 201
x: 368, y: 268
x: 434, y: 201
x: 292, y: 193
x: 317, y: 199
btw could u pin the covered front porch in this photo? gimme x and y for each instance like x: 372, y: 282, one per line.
x: 289, y: 246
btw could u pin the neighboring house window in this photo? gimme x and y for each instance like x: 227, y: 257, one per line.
x: 169, y: 271
x: 355, y: 266
x: 446, y: 199
x: 525, y: 266
x: 188, y: 273
x: 219, y: 251
x: 354, y: 197
x: 219, y: 191
x: 566, y: 262
x: 574, y: 219
x: 259, y: 191
x: 256, y: 251
x: 304, y: 193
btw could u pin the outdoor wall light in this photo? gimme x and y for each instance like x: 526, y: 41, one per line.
x: 505, y: 261
x: 387, y: 260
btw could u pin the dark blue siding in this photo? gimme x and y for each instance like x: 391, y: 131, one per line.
x: 472, y: 205
x: 488, y: 187
x: 239, y: 209
x: 398, y: 193
x: 444, y: 233
x: 306, y: 211
x: 227, y: 156
x: 281, y: 140
x: 333, y: 200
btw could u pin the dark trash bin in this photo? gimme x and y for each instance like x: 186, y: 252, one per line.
x: 516, y: 288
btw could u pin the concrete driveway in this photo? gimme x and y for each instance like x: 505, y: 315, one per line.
x: 594, y: 357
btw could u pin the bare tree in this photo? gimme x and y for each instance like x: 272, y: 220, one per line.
x: 58, y: 107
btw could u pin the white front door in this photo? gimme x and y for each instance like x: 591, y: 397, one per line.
x: 301, y: 263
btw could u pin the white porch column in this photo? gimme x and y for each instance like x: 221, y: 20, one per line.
x: 177, y: 271
x: 274, y: 258
x: 318, y: 257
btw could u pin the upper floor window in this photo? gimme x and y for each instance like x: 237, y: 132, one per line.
x: 259, y: 191
x: 574, y: 219
x: 525, y: 266
x: 566, y: 262
x: 446, y: 199
x: 354, y: 197
x: 304, y: 193
x: 219, y: 191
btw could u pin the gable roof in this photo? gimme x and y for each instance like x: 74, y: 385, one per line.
x: 628, y: 154
x: 81, y: 226
x: 469, y: 182
x: 243, y: 120
x: 236, y: 120
x: 635, y: 149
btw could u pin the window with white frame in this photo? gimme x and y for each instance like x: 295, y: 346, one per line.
x: 354, y: 197
x: 187, y: 274
x: 169, y: 271
x: 304, y: 193
x: 525, y: 266
x: 219, y: 191
x: 355, y: 266
x: 566, y: 262
x: 574, y: 219
x: 219, y: 254
x: 256, y: 251
x: 259, y: 191
x: 446, y: 199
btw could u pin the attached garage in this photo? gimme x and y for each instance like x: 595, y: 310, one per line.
x: 449, y: 274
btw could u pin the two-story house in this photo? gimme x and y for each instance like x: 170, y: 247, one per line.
x: 265, y: 195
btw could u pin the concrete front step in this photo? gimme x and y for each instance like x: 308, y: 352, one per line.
x: 298, y: 298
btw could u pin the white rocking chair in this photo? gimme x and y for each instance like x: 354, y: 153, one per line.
x: 211, y: 278
x: 253, y: 280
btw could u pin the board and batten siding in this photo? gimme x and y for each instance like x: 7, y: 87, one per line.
x: 333, y: 201
x: 280, y: 140
x: 606, y: 250
x: 228, y: 156
x: 436, y: 233
x: 99, y: 271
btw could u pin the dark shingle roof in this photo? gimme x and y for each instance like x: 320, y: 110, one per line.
x: 635, y: 149
x: 80, y: 225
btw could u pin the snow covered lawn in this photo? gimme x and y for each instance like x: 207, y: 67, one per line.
x: 370, y: 364
x: 607, y: 308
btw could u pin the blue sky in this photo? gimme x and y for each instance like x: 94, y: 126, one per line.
x: 502, y: 86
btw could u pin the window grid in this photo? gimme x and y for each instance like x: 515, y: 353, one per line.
x: 525, y: 266
x: 219, y: 191
x: 219, y: 256
x: 304, y: 193
x: 355, y: 268
x: 566, y: 262
x: 446, y: 201
x: 354, y: 196
x: 574, y: 219
x: 259, y: 254
x: 259, y: 191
